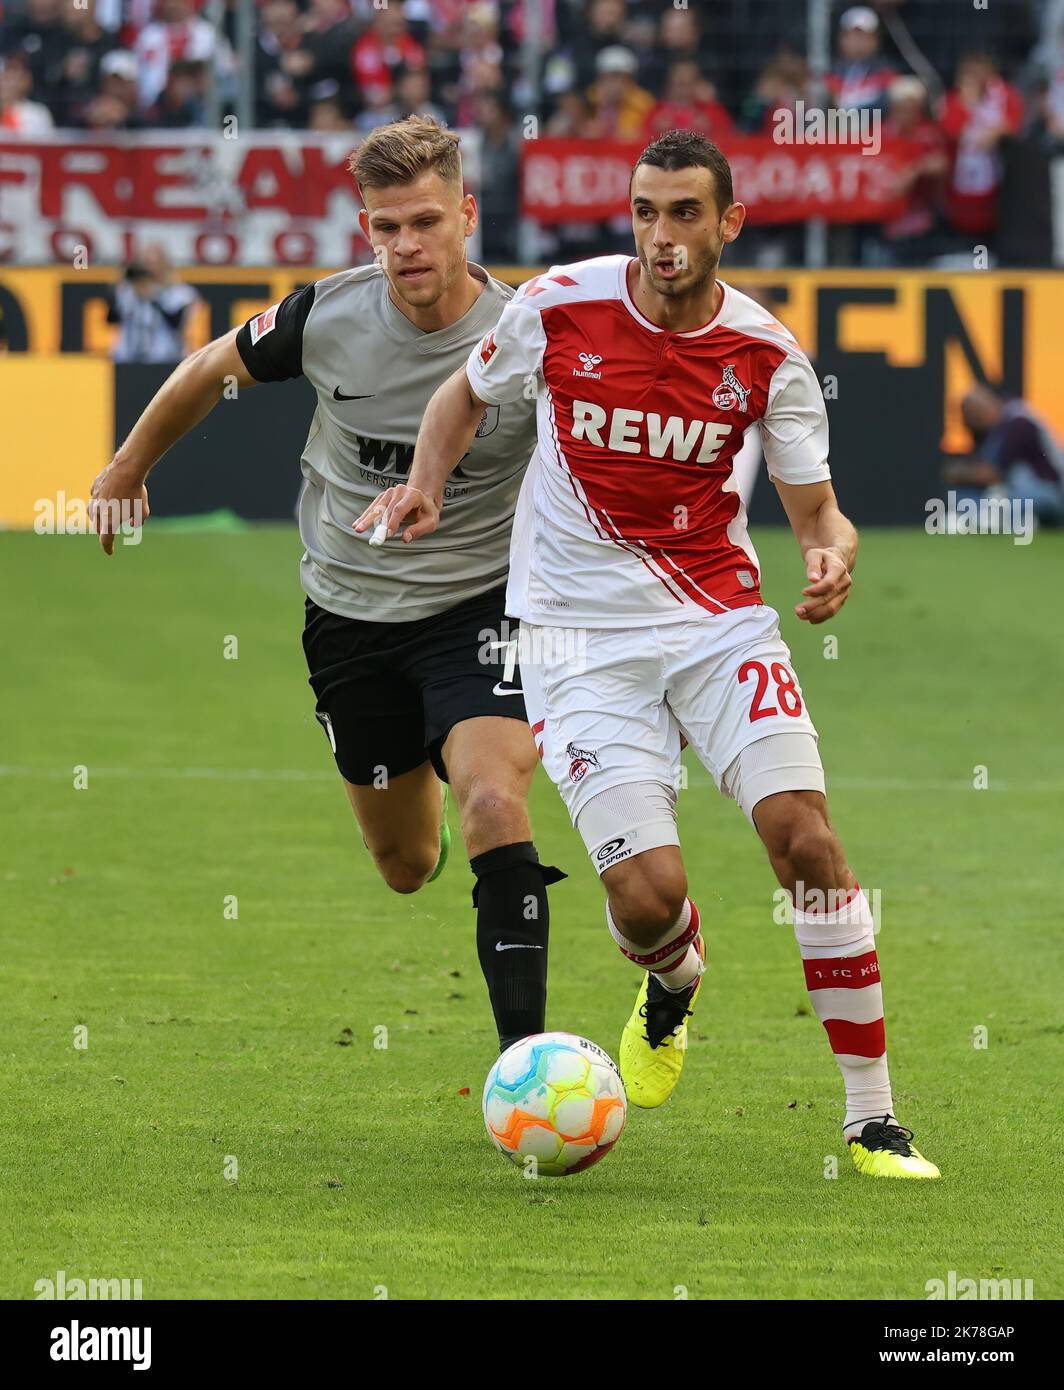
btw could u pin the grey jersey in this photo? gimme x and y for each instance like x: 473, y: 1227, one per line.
x: 374, y: 373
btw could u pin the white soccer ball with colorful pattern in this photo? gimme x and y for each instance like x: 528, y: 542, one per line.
x: 554, y: 1103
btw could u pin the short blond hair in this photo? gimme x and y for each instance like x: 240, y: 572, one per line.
x: 402, y: 150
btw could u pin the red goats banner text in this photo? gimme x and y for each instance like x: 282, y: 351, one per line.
x: 587, y: 180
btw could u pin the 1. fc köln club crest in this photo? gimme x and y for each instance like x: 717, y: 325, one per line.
x: 731, y: 392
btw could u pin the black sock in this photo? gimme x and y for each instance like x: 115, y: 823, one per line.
x: 513, y: 919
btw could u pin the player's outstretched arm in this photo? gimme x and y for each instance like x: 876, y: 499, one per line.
x: 118, y: 493
x: 828, y: 542
x: 447, y: 429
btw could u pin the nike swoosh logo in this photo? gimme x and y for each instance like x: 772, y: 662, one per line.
x: 338, y: 395
x: 498, y: 690
x: 516, y: 946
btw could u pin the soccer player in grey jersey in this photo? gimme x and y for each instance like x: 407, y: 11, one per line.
x: 410, y: 688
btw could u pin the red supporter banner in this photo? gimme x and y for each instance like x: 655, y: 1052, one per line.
x: 282, y: 197
x: 587, y: 180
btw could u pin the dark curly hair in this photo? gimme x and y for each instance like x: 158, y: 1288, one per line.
x: 683, y: 149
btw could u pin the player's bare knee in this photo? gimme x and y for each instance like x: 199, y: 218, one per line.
x: 405, y: 871
x: 807, y: 851
x: 645, y: 903
x: 493, y: 809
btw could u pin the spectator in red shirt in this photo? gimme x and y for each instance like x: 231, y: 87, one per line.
x: 176, y: 34
x: 690, y: 103
x: 385, y: 46
x: 911, y: 237
x: 980, y: 111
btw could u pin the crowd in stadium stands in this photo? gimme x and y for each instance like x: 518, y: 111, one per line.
x: 956, y: 80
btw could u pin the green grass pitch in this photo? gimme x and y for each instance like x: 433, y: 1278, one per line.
x: 230, y: 1130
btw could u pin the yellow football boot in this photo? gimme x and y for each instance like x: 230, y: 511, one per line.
x: 885, y: 1151
x: 654, y: 1041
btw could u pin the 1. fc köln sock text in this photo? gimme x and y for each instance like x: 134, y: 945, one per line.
x: 842, y: 975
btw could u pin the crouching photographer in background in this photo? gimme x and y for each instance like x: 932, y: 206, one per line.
x: 1016, y: 456
x: 150, y: 305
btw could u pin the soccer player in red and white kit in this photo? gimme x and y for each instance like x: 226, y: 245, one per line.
x: 630, y: 540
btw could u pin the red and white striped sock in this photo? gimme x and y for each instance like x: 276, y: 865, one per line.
x: 842, y: 975
x: 673, y: 957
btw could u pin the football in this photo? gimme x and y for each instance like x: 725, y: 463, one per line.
x: 554, y: 1104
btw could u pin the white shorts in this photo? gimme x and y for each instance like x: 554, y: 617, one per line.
x: 608, y: 706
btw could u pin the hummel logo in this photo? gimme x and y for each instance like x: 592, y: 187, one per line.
x: 515, y: 946
x: 590, y: 361
x: 338, y: 395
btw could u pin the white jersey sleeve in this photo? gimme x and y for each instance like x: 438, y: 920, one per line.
x: 507, y: 363
x: 794, y: 427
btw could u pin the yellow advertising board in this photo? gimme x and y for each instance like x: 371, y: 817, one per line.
x: 920, y: 337
x: 57, y: 425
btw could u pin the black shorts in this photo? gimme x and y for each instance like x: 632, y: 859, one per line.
x: 390, y: 693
